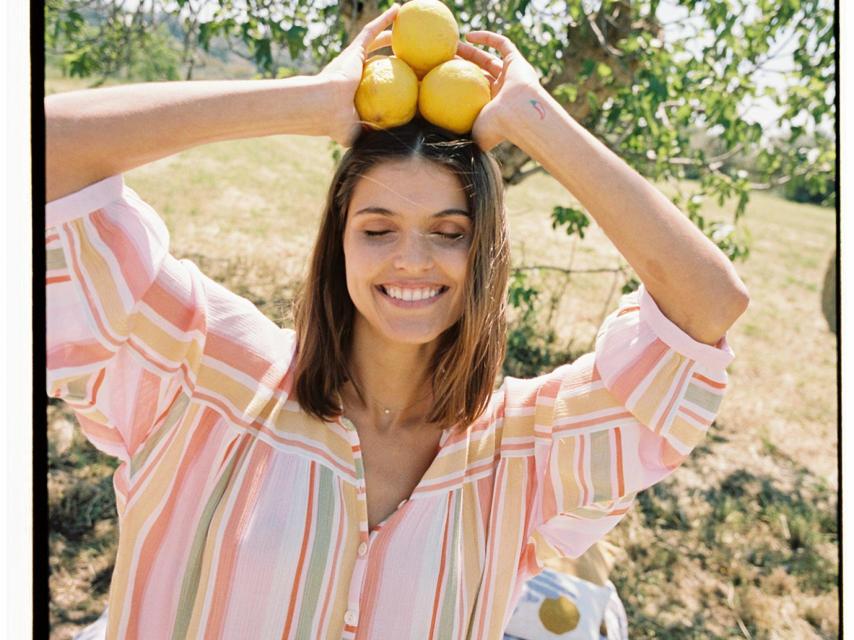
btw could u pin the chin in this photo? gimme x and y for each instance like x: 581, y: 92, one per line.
x: 411, y: 336
x: 406, y: 332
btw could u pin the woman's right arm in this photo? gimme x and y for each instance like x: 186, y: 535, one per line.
x: 97, y: 133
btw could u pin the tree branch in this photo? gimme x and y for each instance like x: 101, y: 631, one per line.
x: 548, y: 267
x: 764, y: 186
x: 600, y: 37
x: 521, y: 175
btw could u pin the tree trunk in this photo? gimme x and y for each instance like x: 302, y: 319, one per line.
x: 593, y: 38
x: 828, y: 294
x: 357, y: 14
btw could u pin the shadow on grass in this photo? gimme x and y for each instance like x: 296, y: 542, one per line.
x: 759, y: 538
x: 802, y: 518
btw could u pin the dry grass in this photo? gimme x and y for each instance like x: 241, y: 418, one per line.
x: 741, y: 542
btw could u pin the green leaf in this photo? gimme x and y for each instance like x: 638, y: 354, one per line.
x: 566, y: 92
x: 587, y: 67
x: 262, y: 53
x: 296, y: 40
x: 574, y: 219
x: 632, y: 284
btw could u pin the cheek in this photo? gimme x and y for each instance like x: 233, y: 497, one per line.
x: 457, y: 264
x: 359, y: 266
x: 351, y: 266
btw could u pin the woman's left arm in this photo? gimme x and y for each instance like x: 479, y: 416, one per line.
x: 693, y: 283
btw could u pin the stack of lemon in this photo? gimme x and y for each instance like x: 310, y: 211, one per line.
x: 423, y: 75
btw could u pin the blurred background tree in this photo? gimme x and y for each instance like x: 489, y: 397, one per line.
x: 643, y: 83
x: 669, y: 86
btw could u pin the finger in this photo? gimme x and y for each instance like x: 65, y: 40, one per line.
x: 494, y: 85
x: 382, y: 40
x: 481, y: 58
x: 371, y: 30
x: 486, y: 74
x: 503, y: 44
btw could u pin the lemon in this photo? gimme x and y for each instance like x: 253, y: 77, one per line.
x: 452, y: 95
x: 387, y: 95
x: 424, y: 34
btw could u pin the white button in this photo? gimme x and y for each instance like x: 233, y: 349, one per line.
x: 363, y: 548
x: 351, y: 617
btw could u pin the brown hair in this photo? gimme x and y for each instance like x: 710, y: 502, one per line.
x: 470, y: 352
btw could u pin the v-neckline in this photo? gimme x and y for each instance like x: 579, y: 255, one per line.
x: 348, y: 425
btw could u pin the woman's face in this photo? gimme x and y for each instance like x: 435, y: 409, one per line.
x: 406, y: 244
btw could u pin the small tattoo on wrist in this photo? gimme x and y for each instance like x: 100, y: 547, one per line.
x: 538, y: 108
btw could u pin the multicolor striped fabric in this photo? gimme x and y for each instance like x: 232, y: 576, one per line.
x: 242, y: 517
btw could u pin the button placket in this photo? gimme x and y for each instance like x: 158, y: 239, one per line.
x: 357, y: 580
x: 357, y: 583
x: 351, y: 617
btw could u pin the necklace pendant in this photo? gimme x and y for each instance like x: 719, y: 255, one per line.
x: 387, y: 411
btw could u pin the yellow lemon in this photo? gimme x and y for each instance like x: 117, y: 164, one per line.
x: 452, y: 95
x: 424, y: 34
x: 388, y: 93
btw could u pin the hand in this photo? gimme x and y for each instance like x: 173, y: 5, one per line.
x: 508, y: 76
x: 345, y: 72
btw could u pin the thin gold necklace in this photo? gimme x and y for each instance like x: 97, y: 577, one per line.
x: 383, y: 408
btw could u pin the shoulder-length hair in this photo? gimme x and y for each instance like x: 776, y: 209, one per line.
x: 471, y: 351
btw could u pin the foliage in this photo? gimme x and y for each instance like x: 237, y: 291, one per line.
x: 635, y: 82
x: 531, y: 344
x: 639, y: 79
x: 572, y: 218
x: 97, y: 38
x: 815, y: 190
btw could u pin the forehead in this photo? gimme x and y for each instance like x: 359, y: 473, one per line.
x: 414, y: 185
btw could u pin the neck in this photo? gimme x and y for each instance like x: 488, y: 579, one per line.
x: 394, y: 379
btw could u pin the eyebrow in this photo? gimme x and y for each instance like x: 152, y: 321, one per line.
x: 439, y: 214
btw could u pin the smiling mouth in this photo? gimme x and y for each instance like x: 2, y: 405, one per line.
x: 425, y: 294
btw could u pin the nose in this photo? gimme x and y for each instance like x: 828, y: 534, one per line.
x: 413, y: 252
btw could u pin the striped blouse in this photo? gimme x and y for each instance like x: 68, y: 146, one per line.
x: 240, y: 516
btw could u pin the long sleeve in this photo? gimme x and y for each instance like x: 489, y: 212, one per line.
x: 133, y: 333
x: 615, y: 422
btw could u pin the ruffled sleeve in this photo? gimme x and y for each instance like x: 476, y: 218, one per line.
x: 617, y: 421
x: 132, y: 332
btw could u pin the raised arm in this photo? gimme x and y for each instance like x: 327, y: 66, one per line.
x: 97, y: 133
x: 691, y: 280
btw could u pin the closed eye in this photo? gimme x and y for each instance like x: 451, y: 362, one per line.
x: 450, y: 236
x: 375, y: 234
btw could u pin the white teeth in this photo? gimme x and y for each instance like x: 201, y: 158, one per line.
x: 411, y: 294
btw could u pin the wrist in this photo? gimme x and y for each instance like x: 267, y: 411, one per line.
x: 306, y: 105
x: 531, y: 112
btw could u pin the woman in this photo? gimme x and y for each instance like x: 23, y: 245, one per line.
x: 357, y: 477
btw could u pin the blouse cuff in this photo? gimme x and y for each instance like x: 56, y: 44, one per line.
x: 715, y: 357
x: 88, y: 199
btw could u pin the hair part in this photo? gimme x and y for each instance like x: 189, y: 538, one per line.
x: 470, y: 352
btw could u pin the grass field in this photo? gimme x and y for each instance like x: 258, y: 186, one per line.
x: 740, y: 542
